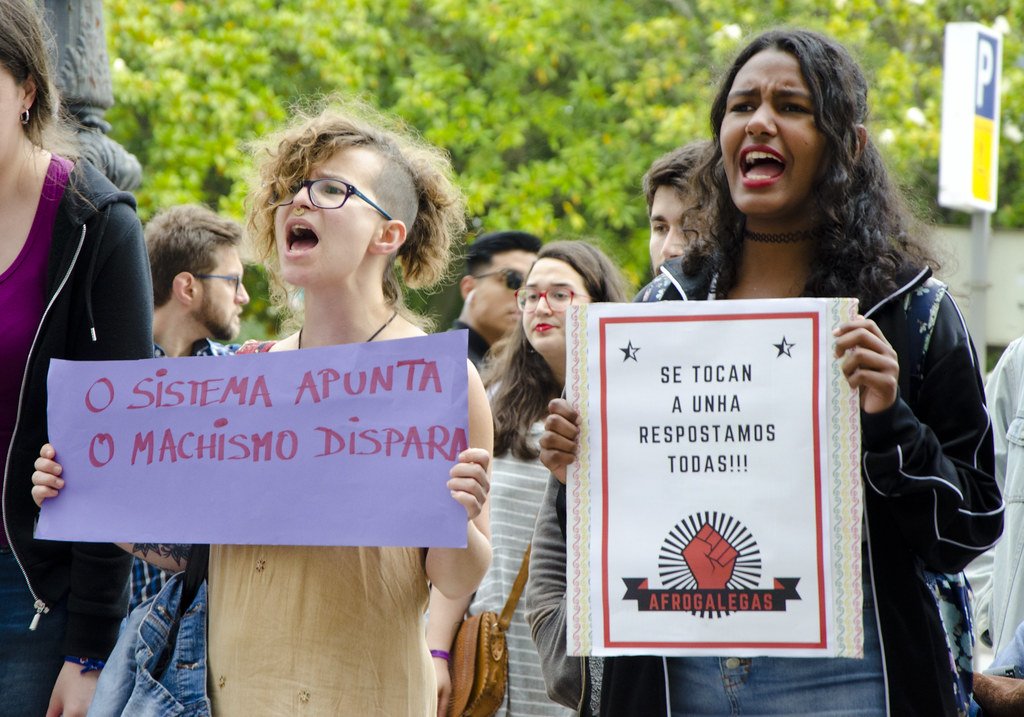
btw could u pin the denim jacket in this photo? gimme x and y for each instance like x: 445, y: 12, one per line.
x: 998, y: 576
x: 133, y: 683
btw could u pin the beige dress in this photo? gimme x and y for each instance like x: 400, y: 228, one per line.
x: 319, y: 631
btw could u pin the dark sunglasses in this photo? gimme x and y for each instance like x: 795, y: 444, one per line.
x: 513, y: 279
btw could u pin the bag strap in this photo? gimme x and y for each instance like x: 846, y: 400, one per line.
x: 517, y: 590
x: 191, y: 581
x: 197, y: 569
x: 922, y: 307
x: 198, y: 566
x: 950, y: 591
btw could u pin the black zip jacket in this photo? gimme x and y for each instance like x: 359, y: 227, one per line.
x: 99, y: 305
x: 930, y: 497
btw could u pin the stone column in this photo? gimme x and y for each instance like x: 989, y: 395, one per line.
x: 83, y: 76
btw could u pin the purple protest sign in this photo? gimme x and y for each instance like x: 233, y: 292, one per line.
x: 343, y: 445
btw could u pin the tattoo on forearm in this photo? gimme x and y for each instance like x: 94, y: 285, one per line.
x: 175, y: 551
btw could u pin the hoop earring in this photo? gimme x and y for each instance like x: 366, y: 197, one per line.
x: 25, y: 117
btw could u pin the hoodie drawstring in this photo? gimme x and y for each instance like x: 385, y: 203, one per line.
x: 91, y: 269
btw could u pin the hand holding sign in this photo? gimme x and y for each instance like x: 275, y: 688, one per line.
x: 869, y: 363
x: 711, y: 559
x: 469, y: 482
x: 46, y: 480
x: 559, y: 442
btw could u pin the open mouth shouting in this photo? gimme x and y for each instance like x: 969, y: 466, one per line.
x: 761, y: 165
x: 300, y: 237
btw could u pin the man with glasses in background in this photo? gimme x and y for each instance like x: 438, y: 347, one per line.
x: 198, y: 293
x: 198, y: 297
x: 496, y: 265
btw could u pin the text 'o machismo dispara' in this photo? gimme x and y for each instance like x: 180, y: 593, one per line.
x: 220, y: 443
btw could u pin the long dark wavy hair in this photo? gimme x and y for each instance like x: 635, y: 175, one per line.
x: 868, y: 234
x: 520, y: 378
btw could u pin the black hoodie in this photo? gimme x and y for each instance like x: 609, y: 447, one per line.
x: 931, y: 502
x: 99, y: 305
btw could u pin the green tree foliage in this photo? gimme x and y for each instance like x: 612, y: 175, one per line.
x: 551, y: 110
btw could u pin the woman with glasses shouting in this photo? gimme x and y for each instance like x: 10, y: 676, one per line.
x: 343, y: 198
x: 526, y: 370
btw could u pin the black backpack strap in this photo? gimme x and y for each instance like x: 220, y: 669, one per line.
x: 949, y: 590
x: 191, y: 582
x: 199, y: 558
x: 195, y: 574
x: 197, y: 569
x: 922, y: 307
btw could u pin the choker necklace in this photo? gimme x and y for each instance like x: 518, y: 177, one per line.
x: 785, y: 238
x: 374, y: 335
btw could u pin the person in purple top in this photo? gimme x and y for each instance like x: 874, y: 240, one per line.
x: 74, y: 284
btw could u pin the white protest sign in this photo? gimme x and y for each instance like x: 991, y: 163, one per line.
x: 716, y: 506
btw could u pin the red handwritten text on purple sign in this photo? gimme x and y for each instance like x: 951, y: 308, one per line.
x: 342, y: 445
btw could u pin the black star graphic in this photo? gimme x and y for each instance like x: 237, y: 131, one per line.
x: 630, y: 352
x: 784, y: 348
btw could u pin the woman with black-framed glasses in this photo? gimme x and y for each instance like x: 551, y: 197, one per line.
x: 329, y: 193
x: 339, y: 630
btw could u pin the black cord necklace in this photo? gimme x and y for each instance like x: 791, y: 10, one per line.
x: 374, y: 335
x: 784, y: 238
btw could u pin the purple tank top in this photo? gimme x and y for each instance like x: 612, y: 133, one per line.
x: 23, y: 298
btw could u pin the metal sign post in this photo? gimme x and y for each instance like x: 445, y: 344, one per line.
x: 969, y: 157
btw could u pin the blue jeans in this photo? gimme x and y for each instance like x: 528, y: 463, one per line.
x: 832, y: 687
x: 30, y: 660
x: 132, y: 684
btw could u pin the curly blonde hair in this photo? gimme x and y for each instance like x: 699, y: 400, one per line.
x: 416, y: 185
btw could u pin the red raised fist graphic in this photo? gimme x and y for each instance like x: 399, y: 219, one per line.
x: 710, y: 558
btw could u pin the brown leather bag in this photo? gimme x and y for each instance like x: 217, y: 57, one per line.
x: 479, y: 663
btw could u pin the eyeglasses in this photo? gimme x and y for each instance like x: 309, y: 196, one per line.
x: 513, y: 278
x: 236, y: 279
x: 559, y: 300
x: 329, y: 193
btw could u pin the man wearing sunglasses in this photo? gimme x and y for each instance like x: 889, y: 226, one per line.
x: 496, y: 265
x: 198, y: 297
